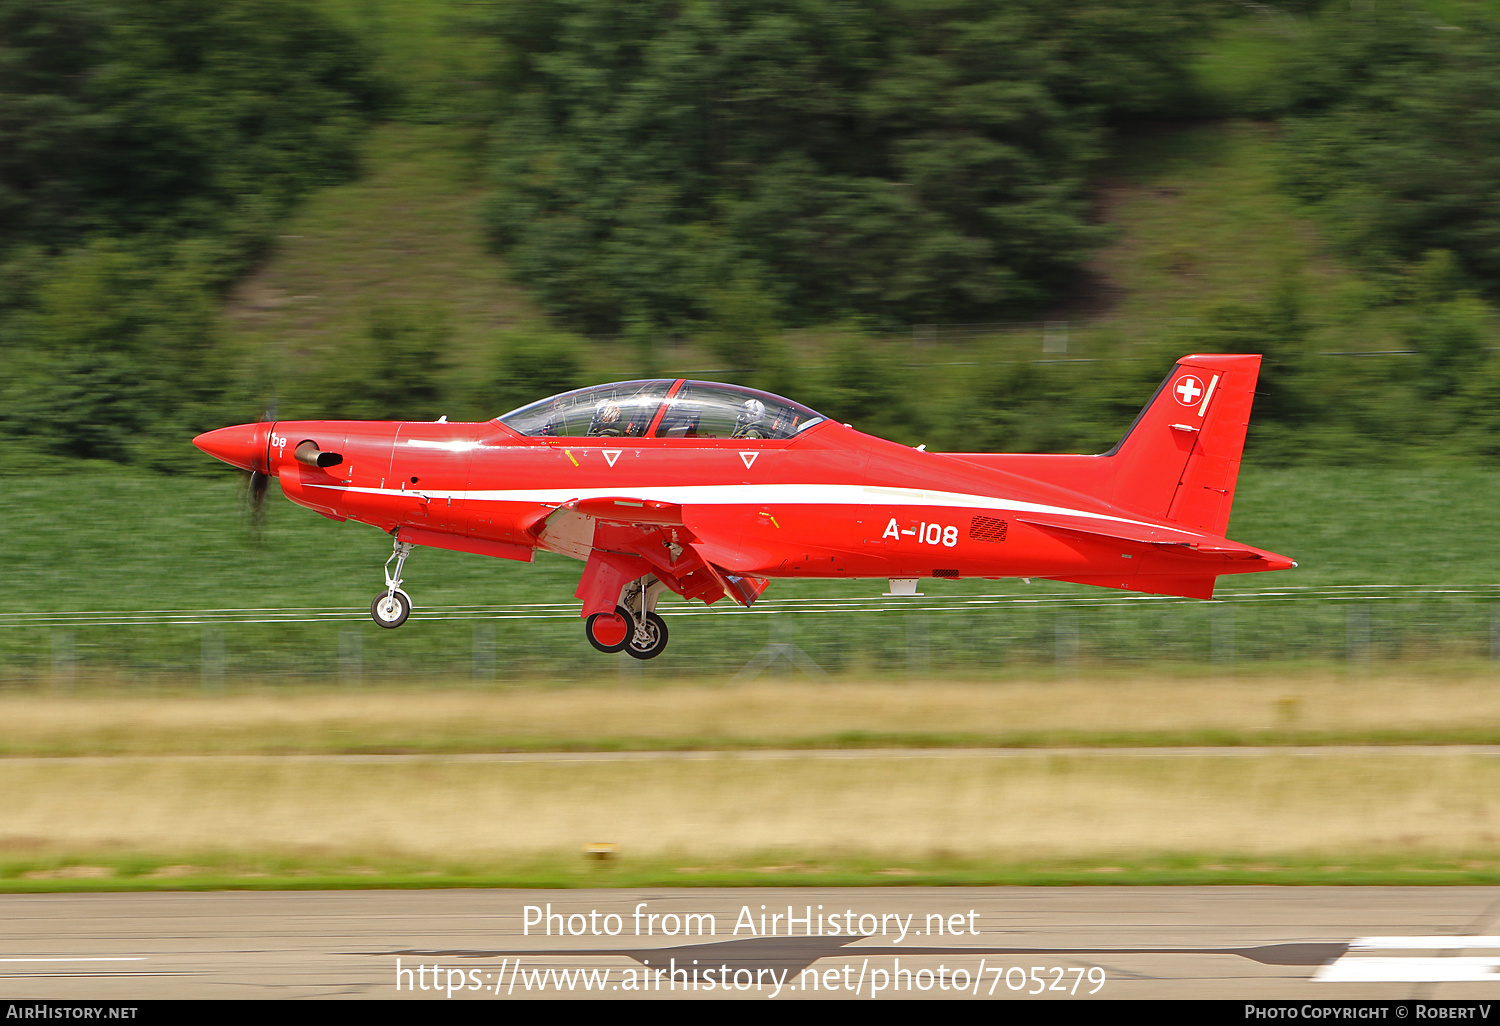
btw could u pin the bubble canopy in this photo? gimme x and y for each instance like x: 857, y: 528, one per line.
x: 663, y: 408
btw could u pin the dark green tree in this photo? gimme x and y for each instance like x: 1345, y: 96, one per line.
x: 147, y: 149
x: 397, y: 372
x: 1395, y: 134
x: 531, y: 365
x: 906, y: 160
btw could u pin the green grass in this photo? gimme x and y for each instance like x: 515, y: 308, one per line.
x: 125, y: 541
x: 219, y: 872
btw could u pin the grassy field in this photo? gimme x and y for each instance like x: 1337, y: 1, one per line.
x: 157, y: 822
x: 183, y: 790
x: 122, y: 542
x: 1105, y: 710
x: 117, y: 540
x: 1199, y: 223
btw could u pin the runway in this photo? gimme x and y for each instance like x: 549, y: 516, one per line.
x: 964, y: 943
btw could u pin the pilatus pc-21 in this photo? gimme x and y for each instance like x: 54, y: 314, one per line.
x: 712, y: 490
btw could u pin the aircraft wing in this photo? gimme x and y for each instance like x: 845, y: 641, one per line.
x: 621, y: 538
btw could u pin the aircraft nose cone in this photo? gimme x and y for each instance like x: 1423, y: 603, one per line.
x: 239, y: 446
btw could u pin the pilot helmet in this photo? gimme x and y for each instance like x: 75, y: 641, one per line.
x: 750, y: 413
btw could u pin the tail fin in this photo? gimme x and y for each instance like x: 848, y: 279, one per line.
x: 1181, y: 458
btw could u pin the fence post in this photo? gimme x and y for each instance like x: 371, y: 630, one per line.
x: 1357, y: 635
x: 1067, y: 642
x: 780, y: 646
x: 1222, y: 639
x: 63, y: 666
x: 213, y: 659
x: 1495, y: 632
x: 629, y: 667
x: 351, y: 657
x: 482, y: 667
x: 918, y: 652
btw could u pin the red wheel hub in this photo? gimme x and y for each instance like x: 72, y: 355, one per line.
x: 610, y: 628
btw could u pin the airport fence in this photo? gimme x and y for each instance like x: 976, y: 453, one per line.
x: 927, y: 637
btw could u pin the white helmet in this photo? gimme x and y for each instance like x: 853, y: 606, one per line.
x: 752, y: 412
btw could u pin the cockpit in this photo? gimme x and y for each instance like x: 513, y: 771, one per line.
x: 663, y: 408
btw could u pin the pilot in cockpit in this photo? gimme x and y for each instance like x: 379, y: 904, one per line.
x: 750, y: 421
x: 607, y: 422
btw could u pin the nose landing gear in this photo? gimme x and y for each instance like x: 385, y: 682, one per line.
x: 392, y: 606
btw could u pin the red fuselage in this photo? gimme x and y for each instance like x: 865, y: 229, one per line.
x: 829, y: 502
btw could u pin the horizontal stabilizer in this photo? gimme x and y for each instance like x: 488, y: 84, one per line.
x: 1185, y: 542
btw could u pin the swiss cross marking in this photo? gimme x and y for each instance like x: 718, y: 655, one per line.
x: 1188, y: 390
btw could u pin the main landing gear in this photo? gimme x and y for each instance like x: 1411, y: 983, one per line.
x: 392, y: 606
x: 634, y: 626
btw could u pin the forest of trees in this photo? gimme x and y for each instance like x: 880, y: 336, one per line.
x: 148, y: 149
x: 902, y: 161
x: 727, y: 169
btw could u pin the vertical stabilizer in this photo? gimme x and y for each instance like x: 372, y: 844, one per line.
x: 1181, y: 458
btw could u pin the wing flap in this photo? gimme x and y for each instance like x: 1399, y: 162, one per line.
x: 621, y: 538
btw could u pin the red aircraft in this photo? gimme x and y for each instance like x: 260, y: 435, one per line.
x: 711, y: 490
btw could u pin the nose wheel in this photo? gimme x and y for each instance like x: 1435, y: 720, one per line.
x: 390, y: 610
x: 392, y: 606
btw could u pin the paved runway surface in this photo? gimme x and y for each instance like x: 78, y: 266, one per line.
x: 1296, y: 943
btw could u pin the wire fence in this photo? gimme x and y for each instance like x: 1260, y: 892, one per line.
x: 924, y: 637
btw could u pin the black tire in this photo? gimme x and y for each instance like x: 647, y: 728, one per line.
x: 622, y: 613
x: 390, y: 611
x: 655, y: 630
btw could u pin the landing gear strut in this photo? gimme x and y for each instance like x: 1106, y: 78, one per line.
x: 634, y: 626
x: 392, y: 606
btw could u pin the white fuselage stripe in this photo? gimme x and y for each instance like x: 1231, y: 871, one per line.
x: 748, y: 495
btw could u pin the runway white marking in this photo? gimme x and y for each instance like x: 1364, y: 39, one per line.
x: 1460, y: 969
x: 1422, y: 943
x: 1356, y: 967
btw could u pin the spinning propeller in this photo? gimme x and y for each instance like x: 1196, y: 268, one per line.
x: 246, y: 446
